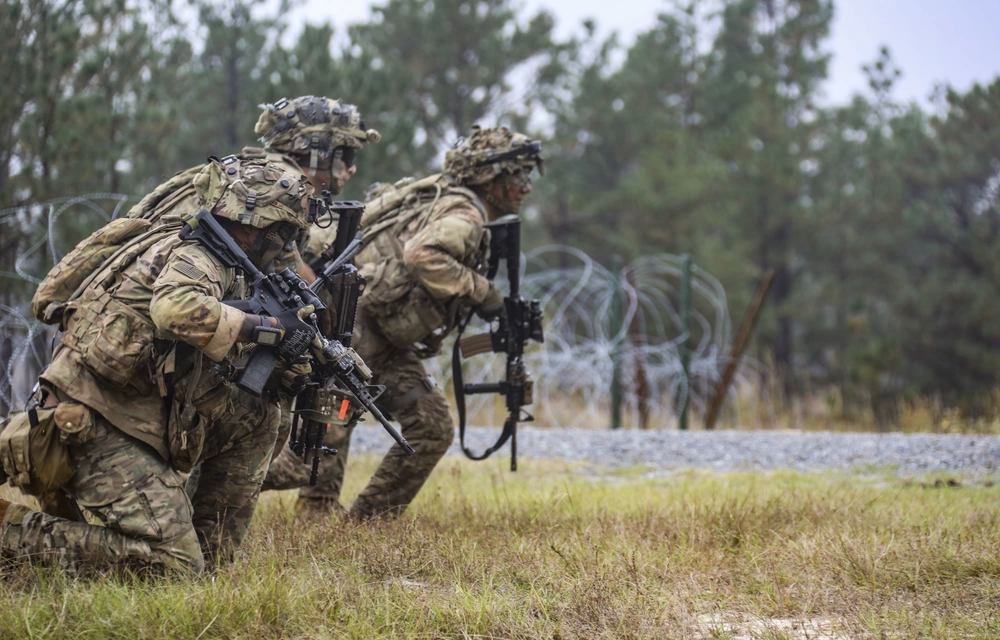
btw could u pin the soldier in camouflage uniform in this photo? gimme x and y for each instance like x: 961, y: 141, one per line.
x: 320, y: 137
x: 425, y: 250
x: 147, y: 354
x: 317, y: 136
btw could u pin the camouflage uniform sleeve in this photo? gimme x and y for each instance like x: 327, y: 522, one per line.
x: 434, y: 255
x: 186, y: 303
x: 319, y: 240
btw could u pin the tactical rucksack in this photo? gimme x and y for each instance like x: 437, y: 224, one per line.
x: 405, y: 312
x: 67, y: 280
x: 144, y: 224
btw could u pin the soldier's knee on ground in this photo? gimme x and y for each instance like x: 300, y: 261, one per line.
x: 136, y: 494
x: 157, y: 512
x: 78, y: 547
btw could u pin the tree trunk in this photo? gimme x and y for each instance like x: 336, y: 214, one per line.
x: 230, y: 124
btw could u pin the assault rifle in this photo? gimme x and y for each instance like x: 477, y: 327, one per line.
x: 336, y: 269
x: 341, y: 279
x: 520, y: 322
x: 276, y: 293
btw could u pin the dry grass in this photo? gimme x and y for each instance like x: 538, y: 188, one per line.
x: 550, y: 552
x: 751, y: 408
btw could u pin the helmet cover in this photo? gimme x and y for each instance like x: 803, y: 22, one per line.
x: 487, y: 153
x: 313, y: 126
x: 256, y: 193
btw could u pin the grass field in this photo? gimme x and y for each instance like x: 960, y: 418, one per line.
x: 556, y: 552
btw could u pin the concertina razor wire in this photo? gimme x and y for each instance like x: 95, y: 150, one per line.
x: 586, y: 333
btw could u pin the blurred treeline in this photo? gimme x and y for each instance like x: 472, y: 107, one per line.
x: 708, y: 135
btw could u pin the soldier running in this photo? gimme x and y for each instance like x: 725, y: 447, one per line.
x: 425, y: 251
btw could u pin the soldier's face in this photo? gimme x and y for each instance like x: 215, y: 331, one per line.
x: 341, y: 173
x: 510, y: 190
x: 262, y: 246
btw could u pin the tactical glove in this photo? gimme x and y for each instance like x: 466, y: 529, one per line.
x: 492, y: 306
x: 291, y: 378
x: 297, y: 332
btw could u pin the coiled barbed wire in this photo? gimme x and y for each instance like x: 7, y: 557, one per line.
x: 585, y: 336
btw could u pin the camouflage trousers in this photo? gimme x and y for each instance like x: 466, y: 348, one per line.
x: 426, y: 423
x: 148, y: 518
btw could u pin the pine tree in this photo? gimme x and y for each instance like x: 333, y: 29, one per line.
x: 766, y: 68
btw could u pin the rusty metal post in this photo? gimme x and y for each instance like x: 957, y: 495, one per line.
x: 739, y: 346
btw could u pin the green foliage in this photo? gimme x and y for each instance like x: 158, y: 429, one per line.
x: 951, y: 212
x: 435, y: 68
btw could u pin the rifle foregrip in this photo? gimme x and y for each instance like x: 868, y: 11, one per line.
x: 485, y: 387
x: 258, y: 370
x: 475, y: 345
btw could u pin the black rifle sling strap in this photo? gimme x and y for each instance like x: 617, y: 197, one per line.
x: 510, y: 425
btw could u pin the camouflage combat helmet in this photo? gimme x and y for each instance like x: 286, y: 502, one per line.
x: 321, y: 128
x: 255, y: 193
x: 488, y: 153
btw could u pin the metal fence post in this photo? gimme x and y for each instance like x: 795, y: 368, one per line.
x: 617, y: 328
x: 685, y: 344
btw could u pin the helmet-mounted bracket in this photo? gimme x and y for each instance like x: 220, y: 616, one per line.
x: 531, y: 147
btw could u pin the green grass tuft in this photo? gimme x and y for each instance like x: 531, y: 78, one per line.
x: 554, y: 551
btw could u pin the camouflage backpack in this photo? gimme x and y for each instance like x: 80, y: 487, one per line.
x: 224, y: 185
x: 75, y: 271
x: 383, y: 210
x: 405, y: 312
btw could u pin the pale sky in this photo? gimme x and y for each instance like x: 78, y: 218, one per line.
x: 933, y: 41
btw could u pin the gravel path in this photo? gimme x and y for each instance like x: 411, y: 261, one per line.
x: 735, y: 450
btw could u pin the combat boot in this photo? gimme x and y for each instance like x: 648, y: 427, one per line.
x: 11, y: 515
x: 318, y: 508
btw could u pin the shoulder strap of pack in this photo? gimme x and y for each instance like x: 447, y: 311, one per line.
x: 170, y: 191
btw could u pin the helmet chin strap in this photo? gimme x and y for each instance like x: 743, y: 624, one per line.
x: 505, y: 206
x: 313, y: 155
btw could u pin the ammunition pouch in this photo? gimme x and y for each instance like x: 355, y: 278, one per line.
x: 404, y: 311
x: 198, y: 400
x: 185, y: 434
x: 33, y: 445
x: 115, y: 342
